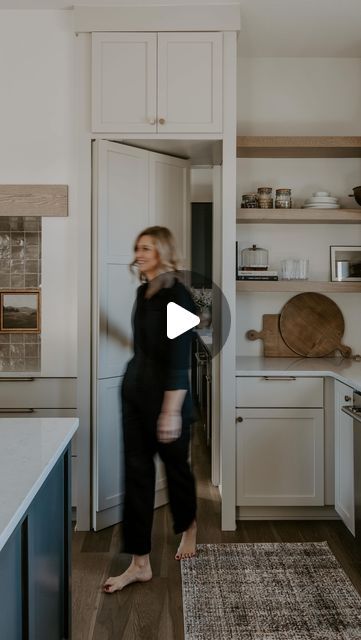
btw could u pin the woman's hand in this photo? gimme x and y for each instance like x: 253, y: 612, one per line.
x: 169, y: 426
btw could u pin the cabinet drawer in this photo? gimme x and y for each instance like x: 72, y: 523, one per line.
x: 272, y: 391
x: 37, y: 393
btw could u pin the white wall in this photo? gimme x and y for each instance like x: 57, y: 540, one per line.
x: 38, y: 146
x: 299, y: 96
x: 294, y: 96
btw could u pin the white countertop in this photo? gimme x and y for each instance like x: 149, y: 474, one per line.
x: 343, y: 369
x: 29, y: 449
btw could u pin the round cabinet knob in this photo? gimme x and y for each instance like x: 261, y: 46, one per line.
x: 161, y: 120
x: 239, y: 419
x: 348, y: 398
x: 151, y: 120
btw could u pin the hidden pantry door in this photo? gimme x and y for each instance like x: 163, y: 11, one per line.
x: 122, y: 207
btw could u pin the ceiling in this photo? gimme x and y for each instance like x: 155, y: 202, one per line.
x: 270, y: 28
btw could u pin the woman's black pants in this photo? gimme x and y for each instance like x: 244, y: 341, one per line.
x: 140, y: 414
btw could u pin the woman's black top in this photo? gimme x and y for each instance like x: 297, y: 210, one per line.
x: 159, y: 363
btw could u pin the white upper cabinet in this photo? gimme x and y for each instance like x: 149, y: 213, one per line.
x: 124, y: 75
x: 189, y: 82
x: 157, y: 83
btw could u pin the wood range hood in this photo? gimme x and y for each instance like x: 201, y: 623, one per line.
x: 34, y: 200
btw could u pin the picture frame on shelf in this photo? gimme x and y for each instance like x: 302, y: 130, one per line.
x: 20, y: 311
x: 345, y: 263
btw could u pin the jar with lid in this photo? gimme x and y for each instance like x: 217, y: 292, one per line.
x: 283, y: 199
x: 254, y: 259
x: 265, y: 200
x: 249, y: 201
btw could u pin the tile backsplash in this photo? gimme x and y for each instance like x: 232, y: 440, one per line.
x: 20, y: 268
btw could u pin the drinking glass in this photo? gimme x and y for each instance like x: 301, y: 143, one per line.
x: 294, y: 269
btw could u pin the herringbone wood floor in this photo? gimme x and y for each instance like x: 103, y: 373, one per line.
x: 153, y: 611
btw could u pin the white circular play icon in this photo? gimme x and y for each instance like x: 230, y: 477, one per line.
x: 179, y: 320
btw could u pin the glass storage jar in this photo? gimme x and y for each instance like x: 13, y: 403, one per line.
x: 283, y: 199
x: 249, y: 201
x: 254, y: 258
x: 265, y: 200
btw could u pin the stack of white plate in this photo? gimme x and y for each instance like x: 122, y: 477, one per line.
x: 321, y: 200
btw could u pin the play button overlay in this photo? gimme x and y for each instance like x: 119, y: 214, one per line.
x: 179, y: 320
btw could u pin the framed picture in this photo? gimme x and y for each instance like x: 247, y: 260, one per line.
x: 345, y: 263
x: 20, y: 311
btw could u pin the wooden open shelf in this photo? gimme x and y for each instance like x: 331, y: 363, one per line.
x: 298, y: 146
x: 293, y: 216
x: 297, y: 286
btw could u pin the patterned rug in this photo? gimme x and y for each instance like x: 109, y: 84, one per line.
x: 268, y: 591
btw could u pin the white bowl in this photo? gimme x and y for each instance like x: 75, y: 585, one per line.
x: 321, y: 194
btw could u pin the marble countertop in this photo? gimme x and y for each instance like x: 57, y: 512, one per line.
x: 29, y: 449
x: 343, y: 369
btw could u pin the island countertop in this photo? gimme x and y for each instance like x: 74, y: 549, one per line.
x: 29, y: 450
x: 345, y: 370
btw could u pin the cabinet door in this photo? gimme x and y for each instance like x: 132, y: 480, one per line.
x: 120, y: 212
x: 280, y: 458
x: 344, y: 457
x: 124, y: 68
x: 48, y: 559
x: 11, y: 613
x: 109, y: 463
x: 169, y: 199
x: 190, y: 82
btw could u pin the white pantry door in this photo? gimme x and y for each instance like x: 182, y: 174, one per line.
x: 122, y: 206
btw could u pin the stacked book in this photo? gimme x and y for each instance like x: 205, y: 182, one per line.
x: 264, y: 274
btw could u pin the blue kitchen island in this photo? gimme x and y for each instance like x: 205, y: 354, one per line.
x: 35, y: 528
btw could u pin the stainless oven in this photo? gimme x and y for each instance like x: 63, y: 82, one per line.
x: 354, y: 410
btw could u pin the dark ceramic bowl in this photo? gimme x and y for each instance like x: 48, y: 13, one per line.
x: 356, y: 194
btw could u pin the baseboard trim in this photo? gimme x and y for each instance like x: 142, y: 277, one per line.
x: 286, y: 513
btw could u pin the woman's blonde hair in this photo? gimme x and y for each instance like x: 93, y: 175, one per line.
x: 165, y: 244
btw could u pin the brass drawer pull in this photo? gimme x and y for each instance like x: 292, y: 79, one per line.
x: 279, y: 378
x: 9, y: 379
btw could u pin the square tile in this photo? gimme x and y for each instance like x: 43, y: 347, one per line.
x: 4, y: 280
x: 4, y: 338
x: 32, y: 238
x: 4, y: 223
x: 17, y: 238
x: 32, y: 280
x: 16, y: 267
x: 17, y: 281
x: 32, y: 251
x: 17, y: 252
x: 4, y: 351
x: 4, y: 265
x: 16, y: 338
x: 32, y: 223
x: 17, y: 350
x: 31, y: 351
x: 17, y: 223
x: 32, y: 266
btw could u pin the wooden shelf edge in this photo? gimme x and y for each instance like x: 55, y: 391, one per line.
x: 297, y: 286
x: 297, y: 216
x: 298, y: 146
x: 34, y: 200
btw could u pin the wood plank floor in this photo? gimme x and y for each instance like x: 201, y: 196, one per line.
x: 153, y: 611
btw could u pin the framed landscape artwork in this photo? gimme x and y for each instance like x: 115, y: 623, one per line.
x: 20, y: 311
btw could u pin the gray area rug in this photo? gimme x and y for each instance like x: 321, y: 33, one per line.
x: 268, y: 591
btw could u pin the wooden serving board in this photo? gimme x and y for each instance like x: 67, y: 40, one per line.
x: 312, y: 325
x: 273, y: 344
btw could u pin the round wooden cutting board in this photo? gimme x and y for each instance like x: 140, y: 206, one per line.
x: 312, y: 325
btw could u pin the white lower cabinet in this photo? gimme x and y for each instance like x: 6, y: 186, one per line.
x: 280, y: 457
x: 280, y: 442
x: 344, y: 457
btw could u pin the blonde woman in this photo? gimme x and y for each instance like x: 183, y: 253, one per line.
x: 156, y: 406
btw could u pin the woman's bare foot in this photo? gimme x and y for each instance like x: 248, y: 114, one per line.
x: 187, y: 547
x: 138, y: 571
